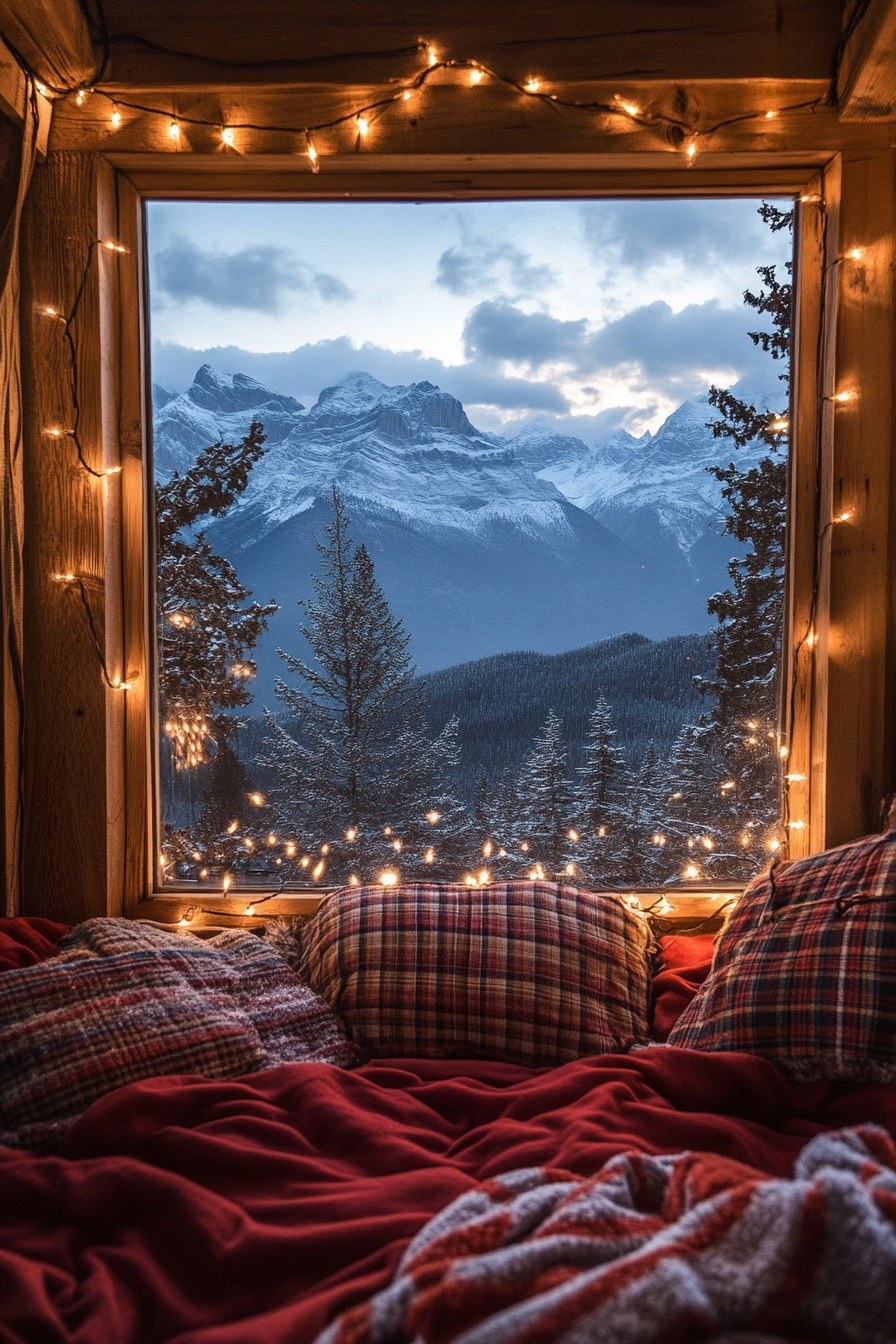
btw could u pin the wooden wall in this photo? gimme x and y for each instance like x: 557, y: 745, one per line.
x: 87, y: 745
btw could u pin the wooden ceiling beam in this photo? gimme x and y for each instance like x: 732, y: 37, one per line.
x: 866, y: 76
x: 52, y: 37
x: 349, y: 41
x: 14, y: 92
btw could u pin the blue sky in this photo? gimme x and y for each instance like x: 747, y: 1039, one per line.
x: 596, y: 314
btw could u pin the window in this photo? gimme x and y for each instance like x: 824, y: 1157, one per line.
x: 472, y: 448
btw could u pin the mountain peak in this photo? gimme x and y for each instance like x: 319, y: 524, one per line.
x: 214, y: 391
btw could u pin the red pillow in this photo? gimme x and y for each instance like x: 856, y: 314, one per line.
x: 26, y: 941
x: 685, y: 964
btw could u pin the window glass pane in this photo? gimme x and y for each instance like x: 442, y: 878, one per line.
x: 470, y: 537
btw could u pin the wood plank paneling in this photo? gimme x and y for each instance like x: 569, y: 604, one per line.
x: 663, y: 39
x: 866, y: 77
x: 73, y: 735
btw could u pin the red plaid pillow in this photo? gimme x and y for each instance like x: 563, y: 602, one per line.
x: 528, y: 972
x: 805, y: 969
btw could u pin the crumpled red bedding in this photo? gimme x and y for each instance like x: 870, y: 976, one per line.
x: 252, y: 1211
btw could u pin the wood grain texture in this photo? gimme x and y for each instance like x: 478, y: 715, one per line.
x: 72, y: 833
x: 866, y: 78
x: 52, y: 36
x: 14, y: 94
x: 858, y: 649
x: 449, y: 117
x: 673, y: 39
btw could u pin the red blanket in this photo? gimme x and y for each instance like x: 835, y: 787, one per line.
x: 252, y: 1211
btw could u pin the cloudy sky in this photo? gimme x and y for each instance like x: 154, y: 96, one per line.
x: 596, y: 314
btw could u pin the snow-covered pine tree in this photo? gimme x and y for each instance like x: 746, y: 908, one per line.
x: 358, y: 771
x: 599, y: 800
x: 204, y: 631
x: 641, y: 852
x: 696, y: 815
x: 546, y: 801
x: 743, y: 721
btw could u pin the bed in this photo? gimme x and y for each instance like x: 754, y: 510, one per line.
x: 255, y: 1210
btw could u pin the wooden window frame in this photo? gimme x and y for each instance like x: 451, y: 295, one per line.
x: 838, y: 695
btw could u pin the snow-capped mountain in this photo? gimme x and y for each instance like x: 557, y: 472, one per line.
x: 483, y: 544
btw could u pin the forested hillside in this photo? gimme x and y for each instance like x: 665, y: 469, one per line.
x: 502, y: 701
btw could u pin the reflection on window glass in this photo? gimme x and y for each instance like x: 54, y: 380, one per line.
x: 470, y: 540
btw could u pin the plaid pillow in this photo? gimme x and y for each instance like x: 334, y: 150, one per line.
x: 124, y: 1001
x: 528, y: 972
x: 805, y: 969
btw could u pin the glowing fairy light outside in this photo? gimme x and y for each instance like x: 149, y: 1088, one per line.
x: 526, y: 678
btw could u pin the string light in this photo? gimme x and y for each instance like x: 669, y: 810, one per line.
x: 843, y: 517
x: 484, y: 877
x: 573, y: 835
x: 388, y: 878
x: 226, y: 883
x: 532, y: 85
x: 174, y: 130
x: 272, y: 839
x: 707, y: 843
x: 630, y: 109
x: 429, y: 855
x: 227, y: 135
x: 115, y: 116
x: 810, y: 198
x: 248, y: 842
x: 727, y: 786
x: 691, y: 149
x: 112, y: 246
x: 318, y: 870
x: 64, y: 578
x: 783, y: 752
x: 433, y: 817
x: 795, y: 778
x: 353, y: 880
x: 570, y: 870
x: 305, y: 860
x: 396, y: 845
x: 774, y: 845
x: 313, y: 156
x: 487, y: 849
x: 779, y: 425
x: 290, y: 849
x: 601, y: 831
x: 363, y: 125
x: 249, y: 910
x: 351, y: 834
x: 179, y: 619
x: 387, y: 830
x: 233, y: 827
x: 256, y: 799
x: 770, y: 115
x: 325, y: 849
x: 841, y: 397
x: 79, y: 98
x: 476, y: 76
x: 691, y: 871
x: 856, y: 253
x: 525, y: 846
x: 797, y: 825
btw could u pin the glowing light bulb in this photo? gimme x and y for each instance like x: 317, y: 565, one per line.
x: 387, y: 830
x: 691, y: 150
x: 843, y: 517
x: 304, y: 860
x: 810, y: 197
x: 691, y: 871
x: 350, y: 834
x: 774, y: 845
x: 111, y: 245
x: 79, y: 98
x: 429, y: 855
x: 406, y: 96
x: 272, y: 839
x: 111, y: 471
x: 797, y: 825
x: 317, y: 870
x: 631, y: 109
x: 841, y: 397
x: 174, y: 130
x: 601, y: 831
x: 745, y: 840
x: 770, y: 116
x: 855, y: 253
x: 313, y: 156
x: 249, y: 910
x: 115, y: 117
x: 432, y: 54
x: 396, y: 845
x: 363, y: 125
x: 290, y: 850
x: 433, y: 817
x: 226, y: 883
x: 484, y: 877
x: 387, y: 878
x: 570, y: 870
x: 183, y: 921
x: 233, y: 827
x: 707, y: 843
x: 47, y: 310
x: 122, y: 685
x: 525, y: 846
x: 532, y: 85
x: 476, y: 76
x: 53, y: 433
x: 728, y: 785
x: 779, y: 425
x: 353, y: 879
x: 502, y: 853
x: 674, y: 797
x: 179, y: 619
x: 783, y: 752
x: 487, y: 849
x: 256, y: 799
x: 573, y: 835
x: 227, y: 135
x: 795, y: 778
x: 248, y: 842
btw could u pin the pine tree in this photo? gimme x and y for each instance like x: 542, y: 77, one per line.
x: 599, y: 799
x: 204, y: 630
x: 742, y: 726
x: 358, y: 771
x: 545, y: 800
x: 641, y: 850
